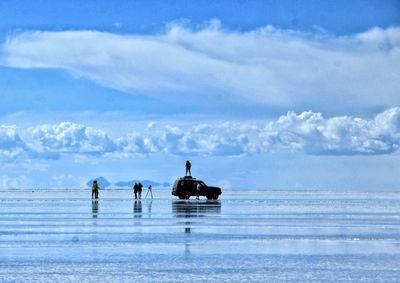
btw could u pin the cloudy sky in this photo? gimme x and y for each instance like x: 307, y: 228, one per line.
x: 257, y: 94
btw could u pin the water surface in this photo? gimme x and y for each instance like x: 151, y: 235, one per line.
x: 251, y: 236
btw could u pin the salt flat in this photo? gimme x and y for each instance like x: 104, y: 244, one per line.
x: 248, y: 236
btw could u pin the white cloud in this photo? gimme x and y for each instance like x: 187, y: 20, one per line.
x: 223, y: 139
x: 266, y: 65
x: 11, y: 144
x: 68, y: 137
x: 307, y: 132
x: 345, y: 135
x: 20, y: 181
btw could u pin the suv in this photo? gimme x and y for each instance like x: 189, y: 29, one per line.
x: 186, y: 187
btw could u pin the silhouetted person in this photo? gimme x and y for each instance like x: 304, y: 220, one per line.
x: 140, y: 186
x: 95, y: 190
x: 135, y: 189
x: 149, y: 190
x: 188, y: 166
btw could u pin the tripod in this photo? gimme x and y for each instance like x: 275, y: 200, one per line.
x: 151, y: 192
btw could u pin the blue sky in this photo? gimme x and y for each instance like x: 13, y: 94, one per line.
x: 339, y: 17
x: 258, y: 94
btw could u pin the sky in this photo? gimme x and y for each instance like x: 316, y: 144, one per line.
x: 296, y: 95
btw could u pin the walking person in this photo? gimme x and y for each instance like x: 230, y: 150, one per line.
x: 135, y: 189
x: 140, y: 186
x: 95, y: 189
x: 188, y: 166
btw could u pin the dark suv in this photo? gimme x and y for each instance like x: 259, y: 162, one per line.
x: 186, y: 187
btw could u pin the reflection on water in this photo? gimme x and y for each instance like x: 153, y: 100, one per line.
x: 95, y: 208
x: 149, y: 204
x: 187, y: 210
x: 137, y: 209
x: 184, y: 208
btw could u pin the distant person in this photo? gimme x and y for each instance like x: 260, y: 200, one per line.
x: 140, y: 186
x: 135, y: 189
x: 149, y: 190
x: 95, y: 189
x: 188, y: 166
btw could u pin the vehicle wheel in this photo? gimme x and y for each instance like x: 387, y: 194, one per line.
x: 187, y: 196
x: 181, y: 196
x: 215, y: 196
x: 209, y: 196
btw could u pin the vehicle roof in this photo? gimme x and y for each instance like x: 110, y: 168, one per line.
x: 189, y: 178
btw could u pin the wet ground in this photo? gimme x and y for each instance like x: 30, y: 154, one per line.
x: 252, y: 236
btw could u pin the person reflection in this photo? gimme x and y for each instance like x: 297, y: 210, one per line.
x: 95, y: 208
x: 187, y: 249
x: 137, y: 208
x: 187, y: 229
x: 149, y: 204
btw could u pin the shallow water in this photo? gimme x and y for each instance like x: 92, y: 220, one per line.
x: 252, y: 236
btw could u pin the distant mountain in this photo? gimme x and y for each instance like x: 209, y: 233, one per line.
x: 103, y: 183
x: 145, y: 183
x: 125, y: 184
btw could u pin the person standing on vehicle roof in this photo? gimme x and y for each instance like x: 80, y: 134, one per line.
x: 188, y: 166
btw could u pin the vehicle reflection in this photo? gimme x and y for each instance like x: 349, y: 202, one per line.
x: 184, y: 208
x: 191, y: 209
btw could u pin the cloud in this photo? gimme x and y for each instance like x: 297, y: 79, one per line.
x: 266, y: 65
x: 68, y: 137
x: 11, y: 144
x: 224, y: 139
x: 308, y: 132
x: 312, y: 133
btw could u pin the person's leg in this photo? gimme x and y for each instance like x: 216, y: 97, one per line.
x: 92, y: 194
